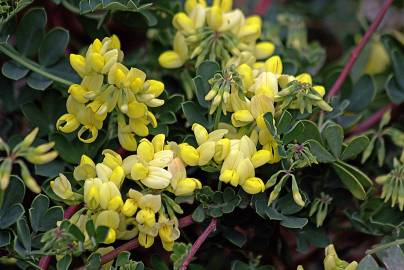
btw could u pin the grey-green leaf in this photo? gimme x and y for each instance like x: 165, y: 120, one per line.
x: 355, y: 147
x: 334, y: 135
x: 30, y: 31
x: 53, y: 46
x: 320, y: 152
x: 350, y: 181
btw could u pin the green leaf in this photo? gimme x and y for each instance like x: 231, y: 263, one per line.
x: 284, y: 122
x: 362, y: 177
x: 38, y: 82
x: 320, y: 152
x: 397, y: 57
x: 294, y: 222
x: 234, y: 237
x: 167, y: 118
x: 64, y: 263
x: 393, y: 90
x: 355, y: 147
x: 180, y: 251
x: 202, y: 88
x: 157, y: 263
x: 39, y: 206
x: 334, y: 135
x: 194, y: 114
x: 24, y: 234
x: 293, y: 133
x: 30, y: 31
x: 350, y: 181
x: 76, y: 232
x: 94, y: 262
x: 270, y: 123
x: 53, y: 46
x: 123, y: 258
x: 199, y: 214
x: 5, y: 238
x: 90, y: 228
x: 208, y: 69
x: 362, y: 94
x: 368, y: 263
x: 101, y: 233
x: 14, y: 71
x: 15, y: 212
x: 310, y: 132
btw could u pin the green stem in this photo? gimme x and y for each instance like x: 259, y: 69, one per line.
x: 217, y: 117
x: 13, y: 54
x: 385, y: 246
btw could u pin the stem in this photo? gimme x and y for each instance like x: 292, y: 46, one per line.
x: 69, y: 212
x: 198, y: 243
x: 371, y: 121
x: 356, y: 52
x: 217, y: 117
x: 13, y: 54
x: 397, y: 242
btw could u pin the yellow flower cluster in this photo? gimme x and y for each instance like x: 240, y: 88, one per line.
x: 154, y: 169
x: 237, y: 158
x: 108, y: 85
x: 215, y: 32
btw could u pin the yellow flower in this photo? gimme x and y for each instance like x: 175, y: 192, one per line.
x: 92, y: 193
x: 187, y: 186
x: 61, y: 187
x: 168, y: 231
x: 264, y: 49
x: 149, y: 205
x: 110, y: 196
x: 85, y: 170
x: 189, y: 154
x: 129, y: 208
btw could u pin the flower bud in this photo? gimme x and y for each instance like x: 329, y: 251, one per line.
x: 43, y: 148
x: 249, y: 32
x: 111, y: 158
x: 41, y: 158
x: 229, y: 176
x: 253, y: 185
x: 92, y: 193
x: 170, y: 59
x: 305, y: 78
x: 211, y: 94
x: 5, y: 172
x: 29, y: 139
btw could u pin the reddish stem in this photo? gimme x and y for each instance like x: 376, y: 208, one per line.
x: 69, y: 212
x: 198, y: 243
x: 371, y: 121
x: 355, y: 53
x: 262, y: 7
